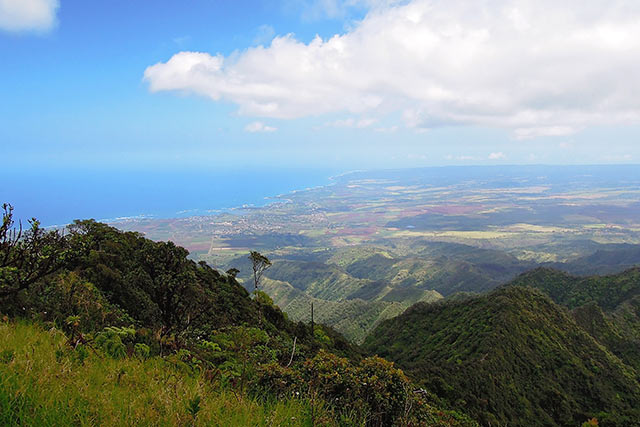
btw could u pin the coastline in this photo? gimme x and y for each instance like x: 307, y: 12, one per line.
x: 240, y: 210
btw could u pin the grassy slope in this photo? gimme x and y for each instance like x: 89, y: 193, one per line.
x: 510, y: 357
x: 43, y: 383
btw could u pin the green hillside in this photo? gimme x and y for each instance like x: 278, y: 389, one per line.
x: 607, y: 307
x: 444, y: 267
x: 103, y: 327
x: 573, y: 291
x: 44, y: 381
x: 354, y: 288
x: 113, y: 278
x: 353, y: 318
x: 511, y: 357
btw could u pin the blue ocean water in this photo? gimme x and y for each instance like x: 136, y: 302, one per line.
x: 58, y: 197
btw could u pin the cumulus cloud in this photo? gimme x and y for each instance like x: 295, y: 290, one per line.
x: 28, y: 15
x: 259, y: 127
x: 497, y: 156
x: 535, y: 67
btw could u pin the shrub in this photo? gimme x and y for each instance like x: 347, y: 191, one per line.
x: 384, y: 390
x: 331, y: 376
x: 272, y: 378
x: 141, y: 351
x: 111, y: 343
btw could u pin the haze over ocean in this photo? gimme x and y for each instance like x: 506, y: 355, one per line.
x: 57, y: 198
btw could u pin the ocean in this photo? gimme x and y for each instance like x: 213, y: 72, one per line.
x: 57, y: 197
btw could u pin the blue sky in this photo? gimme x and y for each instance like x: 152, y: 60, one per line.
x: 316, y: 84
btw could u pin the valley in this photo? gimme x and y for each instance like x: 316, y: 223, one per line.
x: 373, y: 243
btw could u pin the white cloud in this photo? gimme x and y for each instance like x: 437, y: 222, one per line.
x: 497, y: 156
x: 28, y: 15
x: 536, y: 67
x: 259, y: 127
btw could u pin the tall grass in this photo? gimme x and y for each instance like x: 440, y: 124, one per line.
x: 45, y: 382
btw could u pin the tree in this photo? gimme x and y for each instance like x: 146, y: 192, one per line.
x: 172, y: 284
x: 260, y: 264
x: 233, y: 272
x: 155, y: 281
x: 26, y: 257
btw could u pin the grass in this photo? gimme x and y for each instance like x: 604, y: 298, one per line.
x: 45, y: 382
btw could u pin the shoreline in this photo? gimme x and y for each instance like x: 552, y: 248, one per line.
x: 234, y: 210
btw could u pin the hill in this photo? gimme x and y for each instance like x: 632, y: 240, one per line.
x: 354, y: 318
x: 100, y: 326
x: 607, y: 307
x: 45, y: 381
x: 511, y: 357
x: 354, y: 288
x: 573, y: 291
x: 606, y: 259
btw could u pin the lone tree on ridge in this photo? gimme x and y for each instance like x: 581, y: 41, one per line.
x: 259, y: 263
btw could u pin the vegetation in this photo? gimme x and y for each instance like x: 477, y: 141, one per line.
x: 511, y: 357
x: 354, y: 318
x: 26, y: 257
x: 130, y: 331
x: 259, y: 264
x: 44, y: 381
x: 355, y: 288
x: 607, y: 307
x: 607, y: 292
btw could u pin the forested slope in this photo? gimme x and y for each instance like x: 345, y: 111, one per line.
x: 511, y: 357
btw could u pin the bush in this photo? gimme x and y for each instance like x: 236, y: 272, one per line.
x: 271, y: 378
x: 384, y: 389
x: 331, y: 376
x: 141, y: 351
x: 110, y: 342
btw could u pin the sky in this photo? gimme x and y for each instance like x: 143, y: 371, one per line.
x: 354, y: 84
